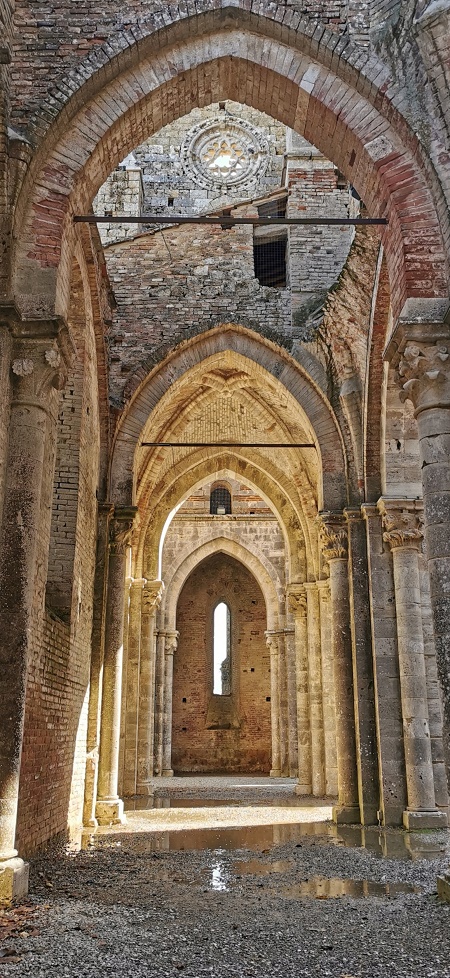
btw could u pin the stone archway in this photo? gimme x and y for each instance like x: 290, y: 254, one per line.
x: 171, y: 70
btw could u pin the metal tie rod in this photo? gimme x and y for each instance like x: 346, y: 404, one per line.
x: 227, y: 221
x: 224, y: 444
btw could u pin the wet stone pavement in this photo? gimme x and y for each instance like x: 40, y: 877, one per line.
x: 306, y: 899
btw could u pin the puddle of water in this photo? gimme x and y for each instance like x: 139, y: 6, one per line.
x: 148, y: 803
x: 320, y: 888
x: 255, y: 868
x: 257, y: 838
x: 388, y: 844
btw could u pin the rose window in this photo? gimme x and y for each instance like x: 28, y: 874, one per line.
x: 224, y: 154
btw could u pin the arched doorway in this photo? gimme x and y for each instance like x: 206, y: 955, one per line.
x: 228, y: 731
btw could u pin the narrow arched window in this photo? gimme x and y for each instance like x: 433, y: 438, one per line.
x: 220, y: 501
x: 222, y: 650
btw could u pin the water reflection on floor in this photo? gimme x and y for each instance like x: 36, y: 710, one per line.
x: 222, y: 878
x: 389, y: 843
x: 320, y: 888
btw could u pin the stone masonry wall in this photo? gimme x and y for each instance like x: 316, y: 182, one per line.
x: 246, y: 744
x: 168, y: 180
x: 175, y: 283
x: 52, y: 39
x: 251, y: 524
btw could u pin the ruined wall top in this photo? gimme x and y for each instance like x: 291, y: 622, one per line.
x: 50, y: 40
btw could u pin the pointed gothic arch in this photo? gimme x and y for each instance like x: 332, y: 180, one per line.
x: 171, y: 69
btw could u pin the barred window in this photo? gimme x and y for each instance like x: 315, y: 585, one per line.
x: 220, y: 501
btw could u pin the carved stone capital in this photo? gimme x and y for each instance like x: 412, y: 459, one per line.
x: 41, y: 356
x: 171, y: 642
x: 402, y: 523
x: 296, y: 597
x: 120, y: 529
x: 420, y: 355
x: 333, y: 536
x: 151, y: 597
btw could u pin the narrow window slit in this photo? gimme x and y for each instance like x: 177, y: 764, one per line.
x: 222, y: 650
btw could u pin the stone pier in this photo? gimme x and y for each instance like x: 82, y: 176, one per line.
x: 334, y: 541
x: 109, y: 807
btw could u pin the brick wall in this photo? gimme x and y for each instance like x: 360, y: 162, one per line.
x: 316, y: 254
x: 54, y: 742
x: 246, y: 745
x: 50, y: 40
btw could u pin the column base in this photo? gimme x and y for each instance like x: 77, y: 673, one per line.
x: 274, y: 773
x: 91, y: 824
x: 346, y: 815
x: 167, y: 773
x: 443, y: 887
x: 13, y: 880
x: 370, y: 815
x: 143, y: 791
x: 110, y: 812
x: 414, y: 821
x: 303, y: 789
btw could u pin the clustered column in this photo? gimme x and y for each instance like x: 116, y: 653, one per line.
x: 333, y: 536
x: 328, y: 697
x: 297, y: 605
x: 272, y: 640
x: 403, y: 533
x: 39, y: 361
x: 315, y: 691
x: 131, y: 686
x: 151, y: 600
x: 170, y: 647
x: 420, y: 353
x: 289, y: 638
x: 109, y: 807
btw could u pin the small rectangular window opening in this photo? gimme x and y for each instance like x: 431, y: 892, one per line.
x: 270, y: 263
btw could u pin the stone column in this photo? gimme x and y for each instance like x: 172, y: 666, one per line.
x: 389, y: 724
x: 333, y: 535
x: 283, y: 705
x: 363, y: 679
x: 289, y: 641
x: 328, y: 700
x: 109, y: 807
x: 105, y: 512
x: 131, y: 688
x: 170, y: 647
x: 151, y: 600
x: 160, y: 671
x: 39, y: 361
x: 296, y: 594
x: 315, y: 692
x: 272, y: 640
x: 403, y: 532
x: 435, y: 719
x: 419, y: 351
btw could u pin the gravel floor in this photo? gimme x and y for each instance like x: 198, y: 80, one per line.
x: 125, y: 907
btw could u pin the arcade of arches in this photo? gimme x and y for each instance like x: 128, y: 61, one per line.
x: 298, y: 376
